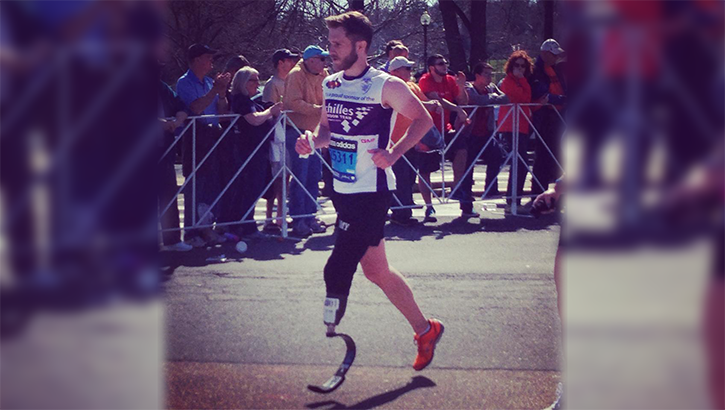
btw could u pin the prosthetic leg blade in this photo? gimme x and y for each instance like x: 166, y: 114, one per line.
x: 339, y: 377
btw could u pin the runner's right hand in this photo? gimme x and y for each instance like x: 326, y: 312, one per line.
x: 302, y: 146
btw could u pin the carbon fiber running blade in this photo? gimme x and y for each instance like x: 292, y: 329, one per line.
x: 339, y: 377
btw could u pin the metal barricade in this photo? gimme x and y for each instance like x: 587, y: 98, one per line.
x: 283, y: 172
x: 512, y: 159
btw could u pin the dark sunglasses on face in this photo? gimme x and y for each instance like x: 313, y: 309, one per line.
x: 441, y: 63
x: 519, y: 65
x: 407, y: 68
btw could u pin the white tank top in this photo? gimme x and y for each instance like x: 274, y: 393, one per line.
x: 358, y: 122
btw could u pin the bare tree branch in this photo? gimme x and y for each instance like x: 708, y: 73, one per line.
x: 462, y: 15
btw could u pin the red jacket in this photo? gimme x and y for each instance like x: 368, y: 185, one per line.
x: 518, y: 91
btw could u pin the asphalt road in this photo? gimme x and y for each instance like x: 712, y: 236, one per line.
x: 248, y: 333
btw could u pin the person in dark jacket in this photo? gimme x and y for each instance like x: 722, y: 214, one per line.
x: 253, y: 130
x: 548, y: 85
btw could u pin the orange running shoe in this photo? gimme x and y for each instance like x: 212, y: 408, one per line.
x: 427, y: 344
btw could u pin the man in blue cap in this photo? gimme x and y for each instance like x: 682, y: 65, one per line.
x: 303, y: 96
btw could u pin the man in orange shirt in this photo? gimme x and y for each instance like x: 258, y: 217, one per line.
x: 404, y: 175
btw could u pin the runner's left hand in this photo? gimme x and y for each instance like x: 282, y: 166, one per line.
x: 382, y: 158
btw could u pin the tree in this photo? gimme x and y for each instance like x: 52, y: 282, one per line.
x: 477, y: 30
x: 548, y: 19
x: 467, y: 31
x: 358, y: 5
x: 457, y: 54
x: 475, y: 26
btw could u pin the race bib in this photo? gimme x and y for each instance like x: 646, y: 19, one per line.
x: 343, y: 154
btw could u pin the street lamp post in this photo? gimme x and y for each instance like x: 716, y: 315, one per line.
x: 425, y: 22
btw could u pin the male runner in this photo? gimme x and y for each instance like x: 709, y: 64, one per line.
x: 360, y: 102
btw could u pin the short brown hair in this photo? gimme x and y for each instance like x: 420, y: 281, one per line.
x: 356, y: 25
x: 392, y: 44
x: 480, y: 66
x: 236, y: 63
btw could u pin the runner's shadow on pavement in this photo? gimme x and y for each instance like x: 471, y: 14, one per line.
x: 417, y: 382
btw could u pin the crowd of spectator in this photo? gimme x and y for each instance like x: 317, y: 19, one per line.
x: 247, y: 163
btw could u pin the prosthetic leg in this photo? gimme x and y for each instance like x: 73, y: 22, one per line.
x: 339, y: 271
x: 350, y: 247
x: 334, y: 311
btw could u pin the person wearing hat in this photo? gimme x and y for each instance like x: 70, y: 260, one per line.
x: 401, y: 67
x: 303, y: 97
x: 198, y: 91
x: 548, y: 85
x: 203, y: 96
x: 283, y: 61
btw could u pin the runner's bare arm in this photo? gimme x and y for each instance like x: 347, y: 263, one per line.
x: 398, y: 96
x: 321, y: 137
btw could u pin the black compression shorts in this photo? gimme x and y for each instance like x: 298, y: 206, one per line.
x: 360, y: 225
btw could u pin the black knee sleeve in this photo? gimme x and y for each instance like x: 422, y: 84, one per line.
x: 339, y: 271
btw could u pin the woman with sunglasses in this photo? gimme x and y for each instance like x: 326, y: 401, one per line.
x: 516, y: 86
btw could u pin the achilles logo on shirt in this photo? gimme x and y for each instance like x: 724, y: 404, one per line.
x: 347, y: 116
x: 360, y: 113
x: 338, y: 109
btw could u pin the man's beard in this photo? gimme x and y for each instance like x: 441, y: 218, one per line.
x: 348, y: 61
x: 442, y: 74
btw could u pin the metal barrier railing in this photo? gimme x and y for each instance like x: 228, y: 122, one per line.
x: 283, y: 172
x: 282, y: 123
x: 510, y: 159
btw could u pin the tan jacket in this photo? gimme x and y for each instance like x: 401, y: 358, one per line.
x: 303, y: 95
